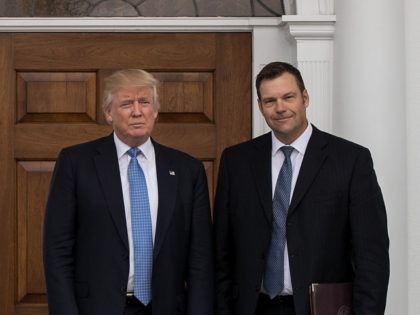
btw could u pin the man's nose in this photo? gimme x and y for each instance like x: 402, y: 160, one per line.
x: 137, y: 108
x: 279, y: 105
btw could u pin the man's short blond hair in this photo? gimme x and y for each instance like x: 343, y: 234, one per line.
x: 129, y: 78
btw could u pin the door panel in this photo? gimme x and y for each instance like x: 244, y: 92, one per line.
x: 56, y: 97
x: 51, y: 98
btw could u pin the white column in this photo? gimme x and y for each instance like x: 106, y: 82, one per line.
x: 412, y: 26
x: 315, y: 59
x: 369, y: 108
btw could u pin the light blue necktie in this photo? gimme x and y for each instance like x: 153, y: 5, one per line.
x: 274, y: 270
x: 141, y: 226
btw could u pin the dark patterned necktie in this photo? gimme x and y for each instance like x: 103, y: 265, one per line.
x: 274, y: 270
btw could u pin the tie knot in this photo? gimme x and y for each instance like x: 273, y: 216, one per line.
x: 133, y: 152
x: 287, y: 151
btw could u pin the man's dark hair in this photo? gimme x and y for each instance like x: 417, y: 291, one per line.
x: 276, y: 69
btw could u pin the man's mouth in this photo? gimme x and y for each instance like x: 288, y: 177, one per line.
x: 138, y: 124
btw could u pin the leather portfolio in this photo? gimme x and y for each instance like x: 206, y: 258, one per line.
x: 331, y: 298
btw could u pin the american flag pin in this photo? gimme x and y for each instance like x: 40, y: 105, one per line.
x: 172, y: 173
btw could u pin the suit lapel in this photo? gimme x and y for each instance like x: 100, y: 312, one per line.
x: 314, y: 157
x: 261, y: 166
x: 167, y: 187
x: 108, y: 171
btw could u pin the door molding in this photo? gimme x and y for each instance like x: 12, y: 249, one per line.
x: 135, y: 24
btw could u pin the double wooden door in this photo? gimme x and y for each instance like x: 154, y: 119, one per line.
x: 50, y: 97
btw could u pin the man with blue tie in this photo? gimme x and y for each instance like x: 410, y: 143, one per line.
x: 296, y: 206
x: 127, y: 225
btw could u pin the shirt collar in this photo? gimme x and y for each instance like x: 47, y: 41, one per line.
x: 299, y: 144
x: 122, y: 148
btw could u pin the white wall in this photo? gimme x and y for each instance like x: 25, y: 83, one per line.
x: 370, y: 108
x: 412, y: 36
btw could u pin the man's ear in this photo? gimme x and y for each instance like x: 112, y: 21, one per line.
x: 305, y: 96
x: 107, y: 114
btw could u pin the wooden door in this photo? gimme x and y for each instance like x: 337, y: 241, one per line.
x: 50, y: 98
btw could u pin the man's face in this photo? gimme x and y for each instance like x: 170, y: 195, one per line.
x: 132, y: 114
x: 283, y: 106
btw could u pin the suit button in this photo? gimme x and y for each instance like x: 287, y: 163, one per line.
x: 123, y: 289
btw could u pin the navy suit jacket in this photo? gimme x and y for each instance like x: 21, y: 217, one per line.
x: 86, y: 254
x: 336, y: 224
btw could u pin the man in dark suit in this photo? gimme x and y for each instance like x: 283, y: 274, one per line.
x: 127, y: 226
x: 294, y: 207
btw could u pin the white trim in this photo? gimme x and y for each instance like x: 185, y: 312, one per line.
x: 309, y: 18
x: 311, y: 27
x: 135, y: 24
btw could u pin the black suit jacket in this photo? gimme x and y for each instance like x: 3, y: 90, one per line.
x: 86, y: 254
x: 336, y: 224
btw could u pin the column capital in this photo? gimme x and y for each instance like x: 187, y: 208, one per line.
x: 310, y: 27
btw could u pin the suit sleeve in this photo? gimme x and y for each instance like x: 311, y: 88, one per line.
x: 59, y: 239
x: 201, y: 259
x: 223, y: 241
x: 369, y: 239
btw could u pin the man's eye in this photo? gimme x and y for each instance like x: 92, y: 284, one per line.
x: 269, y: 102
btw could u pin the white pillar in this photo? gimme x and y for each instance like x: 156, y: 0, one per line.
x: 412, y: 26
x: 369, y: 108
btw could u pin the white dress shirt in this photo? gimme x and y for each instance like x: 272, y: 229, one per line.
x: 147, y: 162
x: 277, y: 159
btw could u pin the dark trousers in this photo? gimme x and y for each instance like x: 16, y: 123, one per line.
x: 280, y: 305
x: 135, y: 307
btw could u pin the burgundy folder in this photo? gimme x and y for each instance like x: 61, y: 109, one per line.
x: 331, y: 298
